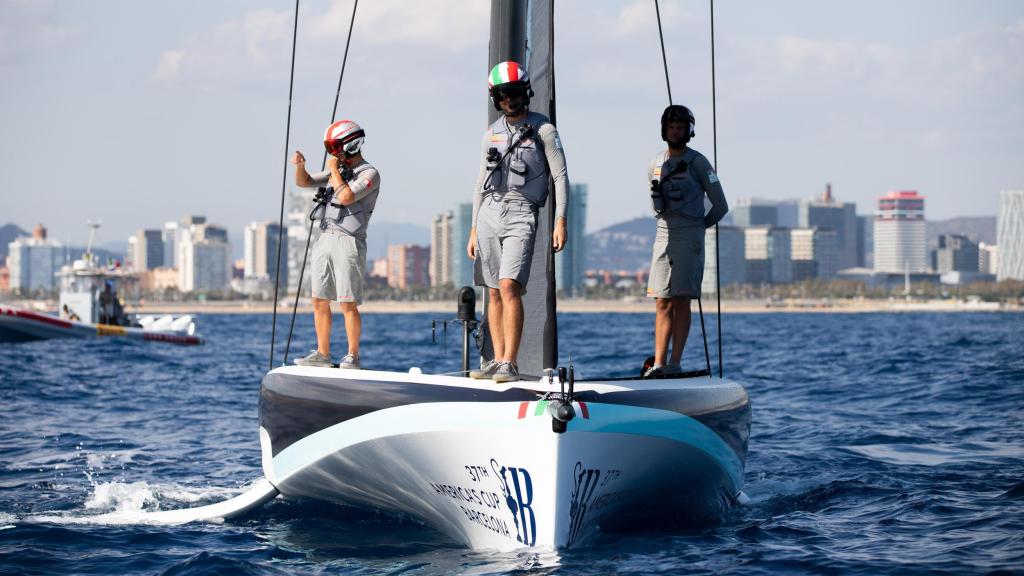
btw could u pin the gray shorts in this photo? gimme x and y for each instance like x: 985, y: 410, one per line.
x: 505, y: 233
x: 677, y: 265
x: 339, y: 261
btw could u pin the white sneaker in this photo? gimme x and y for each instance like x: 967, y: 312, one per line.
x: 350, y: 362
x: 486, y: 371
x: 506, y: 372
x: 314, y: 358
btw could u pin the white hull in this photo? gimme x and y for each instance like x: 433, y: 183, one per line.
x: 494, y: 475
x: 18, y: 325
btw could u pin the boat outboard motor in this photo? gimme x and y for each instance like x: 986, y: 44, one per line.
x: 467, y: 315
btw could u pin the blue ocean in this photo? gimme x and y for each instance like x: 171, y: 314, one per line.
x: 881, y: 444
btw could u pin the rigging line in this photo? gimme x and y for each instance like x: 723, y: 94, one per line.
x: 284, y: 180
x: 714, y: 140
x: 323, y: 163
x: 664, y: 59
x: 707, y: 356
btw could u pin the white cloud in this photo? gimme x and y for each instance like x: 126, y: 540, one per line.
x: 169, y: 65
x: 450, y: 24
x: 29, y: 28
x: 258, y: 44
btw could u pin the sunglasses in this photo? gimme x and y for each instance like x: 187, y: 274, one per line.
x: 504, y: 93
x: 335, y: 147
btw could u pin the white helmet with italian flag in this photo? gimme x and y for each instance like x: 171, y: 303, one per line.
x: 344, y: 137
x: 509, y: 79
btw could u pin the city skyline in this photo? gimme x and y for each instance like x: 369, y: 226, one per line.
x: 195, y: 111
x: 777, y: 243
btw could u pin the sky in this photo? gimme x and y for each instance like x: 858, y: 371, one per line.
x: 137, y: 112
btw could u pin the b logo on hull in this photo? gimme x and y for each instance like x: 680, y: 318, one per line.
x: 517, y: 488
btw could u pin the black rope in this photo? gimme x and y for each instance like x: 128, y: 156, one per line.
x: 664, y: 59
x: 323, y: 162
x: 284, y: 179
x: 707, y: 355
x: 714, y: 140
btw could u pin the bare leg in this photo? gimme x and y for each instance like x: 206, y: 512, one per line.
x: 680, y: 326
x: 512, y: 302
x: 353, y: 326
x: 495, y: 323
x: 662, y: 328
x: 322, y: 322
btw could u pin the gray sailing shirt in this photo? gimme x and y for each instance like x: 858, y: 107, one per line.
x: 354, y: 218
x: 684, y: 191
x: 523, y: 173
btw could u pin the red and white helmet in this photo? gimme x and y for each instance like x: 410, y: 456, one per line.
x: 344, y: 137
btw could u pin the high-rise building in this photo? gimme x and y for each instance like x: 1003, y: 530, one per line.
x: 261, y: 251
x: 753, y: 212
x: 1010, y: 235
x: 827, y: 213
x: 956, y: 253
x: 570, y: 263
x: 865, y: 241
x: 170, y: 238
x: 767, y: 250
x: 441, y: 249
x: 462, y: 266
x: 408, y: 266
x: 788, y: 214
x: 204, y: 258
x: 33, y: 262
x: 147, y: 250
x: 815, y: 252
x: 899, y: 233
x: 300, y: 202
x: 731, y: 243
x: 988, y: 258
x: 132, y: 252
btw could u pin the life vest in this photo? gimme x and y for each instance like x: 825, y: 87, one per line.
x: 677, y: 191
x: 523, y: 169
x: 355, y: 217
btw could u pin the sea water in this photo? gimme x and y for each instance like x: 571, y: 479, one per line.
x: 881, y: 444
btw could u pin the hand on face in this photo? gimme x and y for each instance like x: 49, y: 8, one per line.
x: 333, y: 163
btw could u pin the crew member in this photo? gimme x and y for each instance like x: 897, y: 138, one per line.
x: 521, y: 151
x: 343, y: 209
x: 680, y: 178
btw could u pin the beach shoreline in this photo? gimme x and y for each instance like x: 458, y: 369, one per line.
x: 836, y: 306
x: 588, y: 306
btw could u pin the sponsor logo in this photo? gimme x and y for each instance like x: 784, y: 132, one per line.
x: 517, y: 487
x: 584, y: 484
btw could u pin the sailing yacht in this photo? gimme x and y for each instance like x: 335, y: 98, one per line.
x: 547, y: 461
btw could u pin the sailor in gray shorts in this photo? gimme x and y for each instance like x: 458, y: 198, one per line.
x: 679, y: 178
x: 521, y: 151
x: 339, y: 254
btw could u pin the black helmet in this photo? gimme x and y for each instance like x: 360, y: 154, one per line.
x: 677, y: 113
